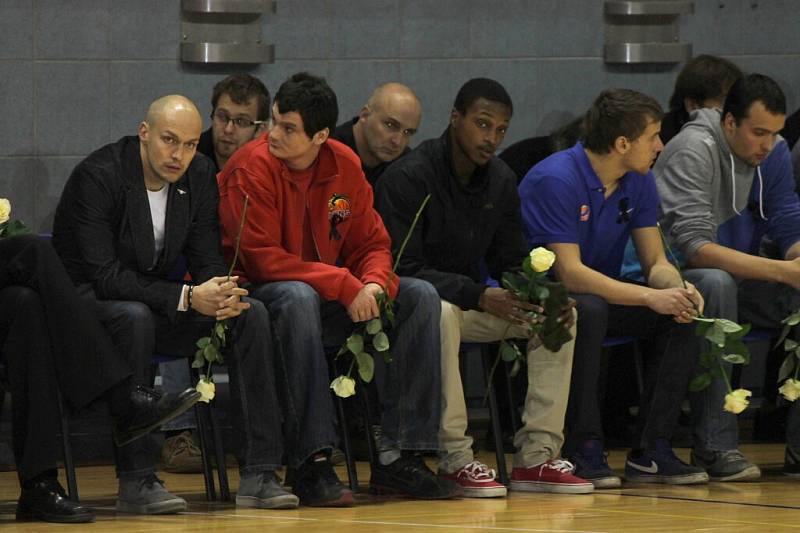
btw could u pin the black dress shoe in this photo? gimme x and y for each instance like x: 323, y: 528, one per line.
x: 150, y: 410
x: 47, y: 501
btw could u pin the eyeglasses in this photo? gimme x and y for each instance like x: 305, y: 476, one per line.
x: 240, y: 122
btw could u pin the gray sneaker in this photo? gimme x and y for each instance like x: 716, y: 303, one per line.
x: 147, y: 495
x: 263, y: 491
x: 725, y: 465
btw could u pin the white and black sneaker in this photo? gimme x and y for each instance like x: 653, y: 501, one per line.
x: 660, y: 465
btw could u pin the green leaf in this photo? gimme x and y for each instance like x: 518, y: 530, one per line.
x: 787, y: 368
x: 707, y: 359
x: 703, y: 319
x: 790, y: 345
x: 199, y: 361
x: 735, y: 358
x: 374, y: 326
x: 202, y: 342
x: 508, y: 352
x: 366, y: 366
x: 542, y: 293
x: 784, y: 334
x: 741, y: 333
x: 792, y: 320
x: 728, y: 326
x: 380, y: 341
x: 355, y: 343
x: 211, y: 353
x: 700, y: 382
x: 511, y: 281
x: 390, y: 315
x: 527, y: 267
x: 15, y: 227
x: 716, y: 334
x: 514, y: 369
x: 703, y: 326
x: 219, y: 329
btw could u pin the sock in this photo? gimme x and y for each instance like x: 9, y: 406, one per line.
x: 387, y: 457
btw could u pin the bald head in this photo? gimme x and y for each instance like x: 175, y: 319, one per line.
x: 386, y: 124
x: 168, y: 140
x: 397, y: 94
x: 173, y: 107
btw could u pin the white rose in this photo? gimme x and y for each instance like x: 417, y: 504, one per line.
x: 542, y: 259
x: 344, y: 386
x: 5, y: 210
x: 206, y: 389
x: 736, y: 401
x: 790, y: 389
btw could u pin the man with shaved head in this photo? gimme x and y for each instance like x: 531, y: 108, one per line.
x: 129, y: 213
x: 383, y: 128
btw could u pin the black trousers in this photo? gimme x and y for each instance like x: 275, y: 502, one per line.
x: 670, y: 350
x: 49, y: 340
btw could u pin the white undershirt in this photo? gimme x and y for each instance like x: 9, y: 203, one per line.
x: 158, y: 212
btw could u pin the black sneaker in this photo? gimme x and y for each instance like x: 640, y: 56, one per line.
x: 660, y: 465
x: 725, y: 465
x: 410, y: 476
x: 791, y: 463
x: 591, y: 464
x: 317, y: 485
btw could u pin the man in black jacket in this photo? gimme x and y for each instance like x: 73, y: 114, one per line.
x: 383, y: 128
x: 50, y: 342
x: 128, y: 212
x: 474, y: 216
x: 240, y: 112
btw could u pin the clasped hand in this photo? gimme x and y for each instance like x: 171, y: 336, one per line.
x: 219, y: 297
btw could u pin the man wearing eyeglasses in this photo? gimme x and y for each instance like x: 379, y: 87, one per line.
x: 241, y: 112
x: 584, y: 204
x: 383, y: 128
x: 240, y: 106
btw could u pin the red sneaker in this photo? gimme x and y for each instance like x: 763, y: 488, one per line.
x: 554, y: 475
x: 477, y: 481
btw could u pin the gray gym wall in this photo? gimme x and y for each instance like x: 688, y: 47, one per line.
x: 77, y: 74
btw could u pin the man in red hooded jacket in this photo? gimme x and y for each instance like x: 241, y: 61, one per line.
x: 318, y: 254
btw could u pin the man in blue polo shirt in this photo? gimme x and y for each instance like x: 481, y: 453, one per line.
x: 584, y: 203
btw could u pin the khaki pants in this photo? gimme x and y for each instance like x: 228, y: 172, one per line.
x: 542, y: 432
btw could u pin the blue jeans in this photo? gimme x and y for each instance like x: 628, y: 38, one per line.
x: 138, y: 333
x: 175, y: 378
x: 761, y: 303
x: 306, y: 328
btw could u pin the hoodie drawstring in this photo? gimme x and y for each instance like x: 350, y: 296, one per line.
x: 760, y: 190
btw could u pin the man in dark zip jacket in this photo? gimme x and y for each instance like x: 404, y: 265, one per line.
x: 473, y: 216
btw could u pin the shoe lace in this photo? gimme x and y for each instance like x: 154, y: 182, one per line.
x: 478, y: 470
x: 150, y: 480
x: 732, y: 455
x: 184, y: 442
x: 560, y: 465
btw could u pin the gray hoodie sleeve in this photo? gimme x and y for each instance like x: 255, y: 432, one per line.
x: 685, y: 177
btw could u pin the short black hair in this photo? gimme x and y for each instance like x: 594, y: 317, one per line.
x: 310, y: 97
x: 241, y: 88
x: 754, y: 88
x: 482, y: 88
x: 618, y: 113
x: 702, y: 78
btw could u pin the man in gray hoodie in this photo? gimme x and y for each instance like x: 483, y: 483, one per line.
x: 725, y: 181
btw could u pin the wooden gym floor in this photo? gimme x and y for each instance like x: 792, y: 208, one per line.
x: 770, y: 505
